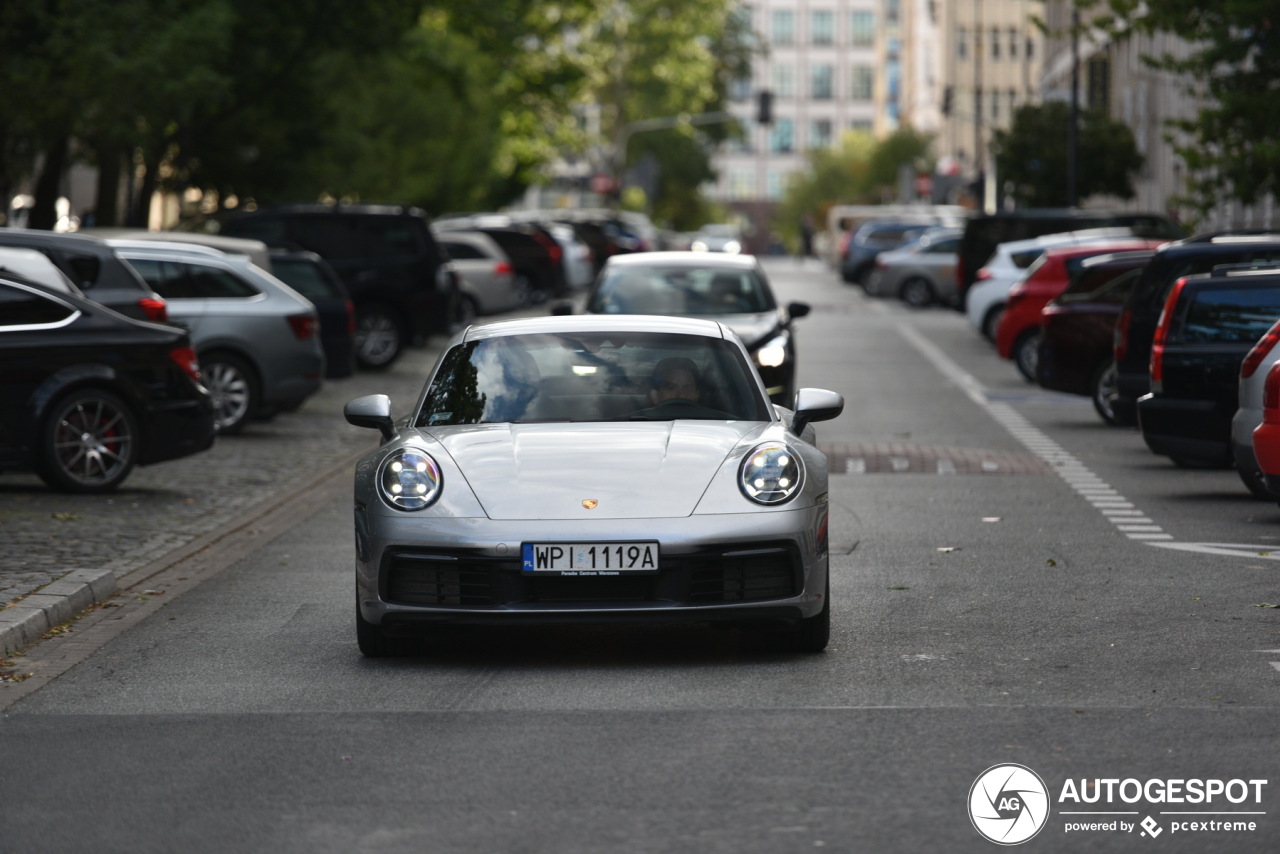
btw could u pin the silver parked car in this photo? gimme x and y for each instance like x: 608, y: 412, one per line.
x: 257, y: 338
x: 597, y: 468
x: 922, y: 272
x: 489, y: 282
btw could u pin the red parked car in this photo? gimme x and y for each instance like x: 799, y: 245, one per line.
x: 1018, y: 333
x: 1266, y: 436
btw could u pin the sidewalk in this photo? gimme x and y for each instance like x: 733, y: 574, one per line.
x: 60, y: 554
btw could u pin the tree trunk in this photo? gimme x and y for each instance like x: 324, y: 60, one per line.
x: 106, y: 210
x: 140, y: 211
x: 44, y: 213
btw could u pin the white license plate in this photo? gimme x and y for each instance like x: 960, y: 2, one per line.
x: 590, y: 558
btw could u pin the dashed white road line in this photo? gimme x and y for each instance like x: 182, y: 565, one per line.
x: 1108, y: 501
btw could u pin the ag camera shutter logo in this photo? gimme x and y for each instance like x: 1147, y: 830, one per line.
x: 1008, y: 804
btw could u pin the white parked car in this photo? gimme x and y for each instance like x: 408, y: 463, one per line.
x: 986, y: 298
x: 1253, y: 376
x: 489, y: 283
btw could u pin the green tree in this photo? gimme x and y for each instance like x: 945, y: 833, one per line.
x: 1032, y: 155
x: 860, y: 171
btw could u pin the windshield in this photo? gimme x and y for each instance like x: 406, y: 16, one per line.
x: 592, y: 376
x: 678, y: 291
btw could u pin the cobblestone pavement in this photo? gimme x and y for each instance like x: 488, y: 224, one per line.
x: 46, y: 535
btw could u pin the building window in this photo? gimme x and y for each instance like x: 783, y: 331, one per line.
x: 995, y: 43
x: 784, y: 27
x: 1030, y: 52
x: 962, y: 44
x: 863, y: 84
x: 892, y: 12
x: 821, y: 80
x: 995, y: 103
x: 862, y: 29
x: 740, y: 89
x: 860, y: 126
x: 784, y: 81
x: 1013, y: 43
x: 820, y: 133
x: 782, y: 139
x: 822, y: 27
x: 742, y: 184
x: 774, y: 185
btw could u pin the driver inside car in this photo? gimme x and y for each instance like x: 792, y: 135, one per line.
x: 675, y: 378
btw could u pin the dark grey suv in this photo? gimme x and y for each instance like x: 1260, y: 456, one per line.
x: 399, y: 280
x: 96, y: 269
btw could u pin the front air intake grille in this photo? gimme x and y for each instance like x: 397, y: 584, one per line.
x: 771, y: 574
x: 441, y: 580
x: 468, y: 580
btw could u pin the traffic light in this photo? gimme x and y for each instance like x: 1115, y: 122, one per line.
x: 764, y: 107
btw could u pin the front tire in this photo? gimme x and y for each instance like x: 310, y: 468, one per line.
x: 991, y: 322
x: 372, y: 641
x: 917, y: 292
x: 379, y: 339
x: 1026, y: 354
x: 89, y: 442
x: 1105, y: 382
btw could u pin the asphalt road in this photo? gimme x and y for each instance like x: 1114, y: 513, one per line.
x: 1013, y: 582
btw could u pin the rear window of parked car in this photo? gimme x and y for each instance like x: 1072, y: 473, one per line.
x: 1230, y: 316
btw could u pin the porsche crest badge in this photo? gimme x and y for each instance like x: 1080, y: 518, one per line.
x: 590, y: 503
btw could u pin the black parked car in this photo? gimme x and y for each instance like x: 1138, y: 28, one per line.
x: 1137, y: 322
x: 95, y: 268
x: 1208, y: 324
x: 386, y: 256
x: 865, y: 244
x: 1077, y: 329
x: 86, y: 394
x: 310, y: 275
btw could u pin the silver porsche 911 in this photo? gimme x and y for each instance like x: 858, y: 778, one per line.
x: 588, y: 468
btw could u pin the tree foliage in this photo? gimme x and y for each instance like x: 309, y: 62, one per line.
x: 860, y: 171
x: 1232, y: 67
x: 448, y: 104
x: 1032, y: 155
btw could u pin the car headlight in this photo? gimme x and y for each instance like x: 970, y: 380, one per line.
x: 773, y: 352
x: 409, y: 480
x: 733, y: 247
x: 771, y: 474
x: 698, y: 246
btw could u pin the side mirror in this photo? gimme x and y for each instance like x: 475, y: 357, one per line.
x: 372, y: 410
x: 815, y: 404
x: 798, y: 309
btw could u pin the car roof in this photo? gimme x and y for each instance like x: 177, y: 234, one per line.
x: 553, y: 324
x: 690, y: 259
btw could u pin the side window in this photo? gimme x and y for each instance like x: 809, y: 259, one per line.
x: 392, y: 237
x: 461, y: 251
x: 167, y: 279
x: 327, y: 236
x: 85, y: 268
x: 19, y: 307
x: 945, y: 246
x: 216, y: 283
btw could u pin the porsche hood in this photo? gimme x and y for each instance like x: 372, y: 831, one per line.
x: 563, y: 471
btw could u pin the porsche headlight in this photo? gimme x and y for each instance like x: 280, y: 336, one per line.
x: 409, y: 480
x: 773, y: 352
x: 771, y: 474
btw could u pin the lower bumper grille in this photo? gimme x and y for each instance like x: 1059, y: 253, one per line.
x: 456, y: 579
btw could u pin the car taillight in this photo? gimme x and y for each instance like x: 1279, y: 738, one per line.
x: 304, y: 326
x: 1259, y: 351
x: 502, y: 268
x: 154, y: 309
x: 350, y: 308
x: 1162, y: 334
x: 185, y: 358
x: 982, y: 275
x: 553, y: 248
x: 1271, y: 396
